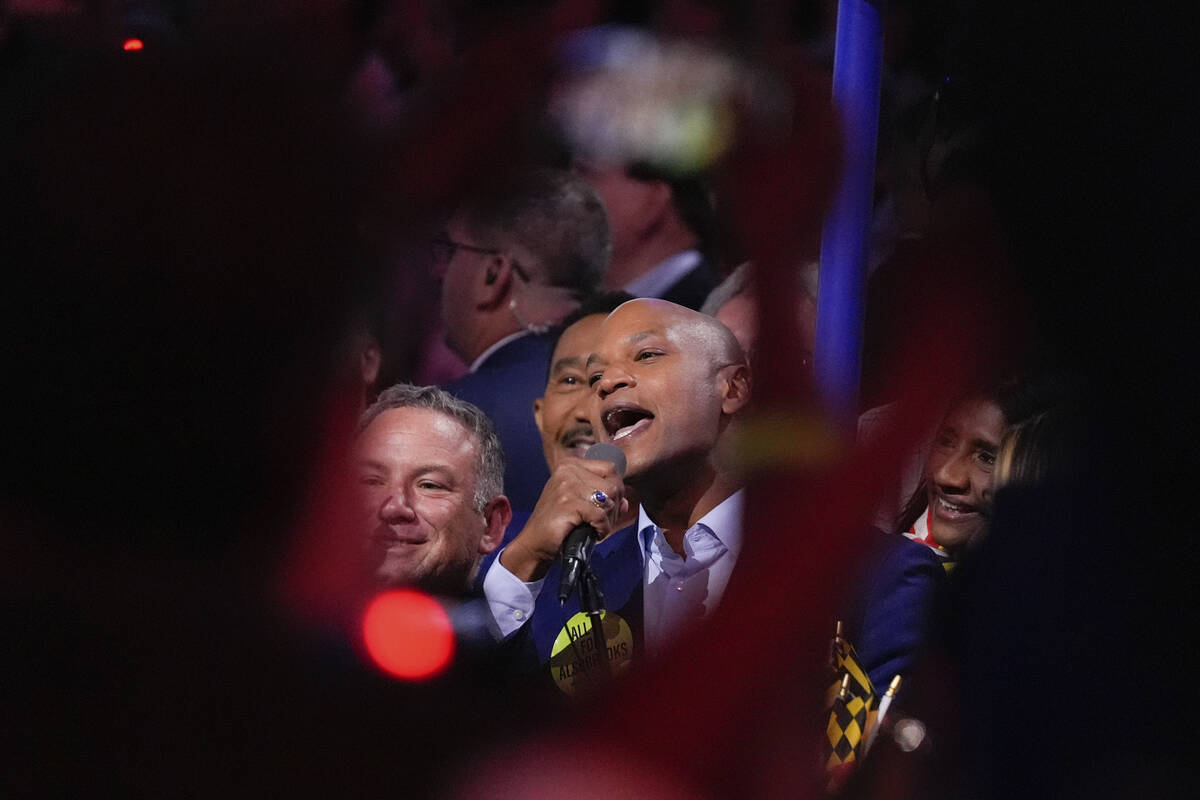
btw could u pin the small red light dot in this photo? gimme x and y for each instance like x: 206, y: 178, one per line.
x: 133, y: 44
x: 408, y: 634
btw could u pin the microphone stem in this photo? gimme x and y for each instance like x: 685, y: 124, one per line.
x: 592, y: 602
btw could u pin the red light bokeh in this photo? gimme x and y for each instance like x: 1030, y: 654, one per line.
x: 408, y: 635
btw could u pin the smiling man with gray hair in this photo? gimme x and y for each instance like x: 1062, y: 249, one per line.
x: 430, y: 473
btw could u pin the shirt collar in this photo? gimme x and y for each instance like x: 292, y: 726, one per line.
x: 725, y: 522
x: 656, y: 282
x: 920, y: 533
x: 486, y: 354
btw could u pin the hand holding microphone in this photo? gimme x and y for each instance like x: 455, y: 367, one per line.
x: 584, y: 497
x: 578, y: 546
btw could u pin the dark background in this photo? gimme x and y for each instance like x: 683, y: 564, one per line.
x: 186, y: 235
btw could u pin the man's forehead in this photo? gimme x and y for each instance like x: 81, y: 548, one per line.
x: 579, y: 338
x: 624, y: 333
x: 641, y: 336
x: 648, y: 313
x: 646, y: 318
x: 417, y: 427
x: 623, y: 328
x: 571, y: 361
x: 621, y: 340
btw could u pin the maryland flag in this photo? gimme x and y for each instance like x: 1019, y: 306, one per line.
x: 853, y: 705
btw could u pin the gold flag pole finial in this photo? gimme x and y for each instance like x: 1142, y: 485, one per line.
x: 884, y: 703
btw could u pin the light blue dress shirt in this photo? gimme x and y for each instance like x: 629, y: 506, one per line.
x: 680, y: 591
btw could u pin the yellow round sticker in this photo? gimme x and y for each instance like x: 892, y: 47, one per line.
x: 574, y: 662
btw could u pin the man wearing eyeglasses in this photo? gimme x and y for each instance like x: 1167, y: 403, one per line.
x: 512, y: 264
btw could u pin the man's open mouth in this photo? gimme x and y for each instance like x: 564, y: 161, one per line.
x: 622, y: 421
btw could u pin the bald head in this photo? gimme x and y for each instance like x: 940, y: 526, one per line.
x: 665, y: 380
x: 703, y: 334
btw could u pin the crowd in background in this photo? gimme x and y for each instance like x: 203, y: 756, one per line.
x: 240, y: 253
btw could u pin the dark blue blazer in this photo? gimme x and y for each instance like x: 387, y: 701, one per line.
x: 902, y: 589
x: 504, y: 387
x: 693, y: 288
x: 617, y: 563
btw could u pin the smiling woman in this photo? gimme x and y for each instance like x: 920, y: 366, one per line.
x: 950, y: 508
x: 958, y: 472
x: 948, y: 515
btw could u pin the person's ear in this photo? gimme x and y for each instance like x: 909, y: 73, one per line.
x: 497, y: 514
x: 537, y: 413
x: 655, y: 204
x: 369, y: 361
x: 735, y: 388
x: 496, y: 281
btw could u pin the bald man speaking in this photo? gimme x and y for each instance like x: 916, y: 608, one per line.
x: 665, y: 383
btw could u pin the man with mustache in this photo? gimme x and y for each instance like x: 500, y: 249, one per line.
x: 664, y: 384
x: 562, y: 417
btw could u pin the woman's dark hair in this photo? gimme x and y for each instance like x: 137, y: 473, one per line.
x: 1057, y: 446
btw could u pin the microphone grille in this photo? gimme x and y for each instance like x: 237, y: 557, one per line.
x: 604, y: 451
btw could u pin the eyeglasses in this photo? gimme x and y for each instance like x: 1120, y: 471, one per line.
x: 442, y: 249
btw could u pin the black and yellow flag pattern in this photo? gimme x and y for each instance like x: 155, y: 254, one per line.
x: 852, y: 702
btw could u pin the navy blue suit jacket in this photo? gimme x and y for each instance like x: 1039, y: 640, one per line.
x: 899, y: 597
x: 693, y: 288
x: 504, y: 387
x: 617, y: 563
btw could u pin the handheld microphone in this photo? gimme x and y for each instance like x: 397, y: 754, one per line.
x: 577, y: 547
